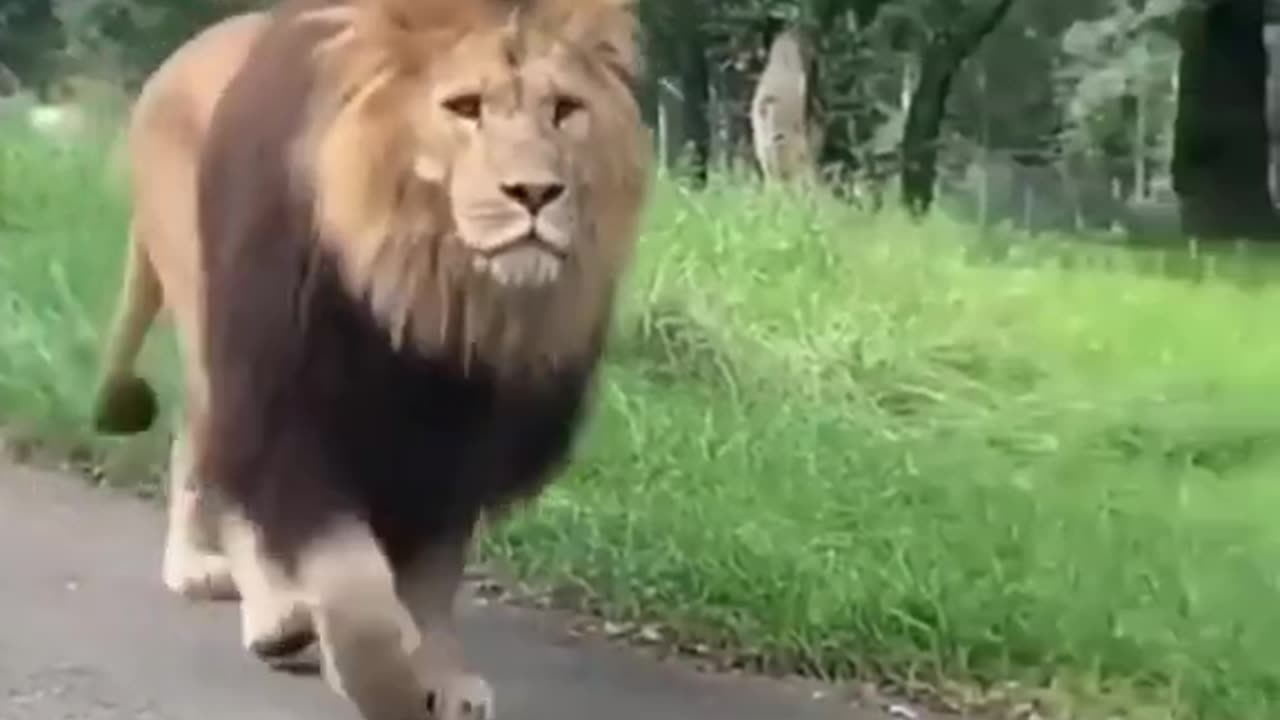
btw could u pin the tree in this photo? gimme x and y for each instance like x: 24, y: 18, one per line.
x: 945, y: 51
x: 695, y: 86
x: 840, y: 101
x: 30, y: 36
x: 780, y: 119
x: 129, y: 38
x: 1220, y: 142
x: 677, y: 42
x: 1117, y: 82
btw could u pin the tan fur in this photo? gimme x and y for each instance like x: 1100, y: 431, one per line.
x: 781, y: 129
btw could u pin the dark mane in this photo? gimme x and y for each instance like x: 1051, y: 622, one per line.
x: 313, y: 414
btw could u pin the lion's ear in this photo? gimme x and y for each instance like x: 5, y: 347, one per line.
x: 622, y: 57
x: 366, y: 29
x: 608, y: 30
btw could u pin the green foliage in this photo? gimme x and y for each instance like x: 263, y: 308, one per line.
x: 127, y: 38
x: 1114, y: 67
x: 118, y: 40
x: 846, y: 442
x: 30, y: 38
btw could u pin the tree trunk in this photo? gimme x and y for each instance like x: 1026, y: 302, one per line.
x: 1220, y: 133
x: 1271, y: 40
x: 940, y: 62
x: 695, y: 87
x: 9, y: 82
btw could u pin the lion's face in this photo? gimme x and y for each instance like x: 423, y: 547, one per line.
x: 509, y: 137
x: 480, y: 171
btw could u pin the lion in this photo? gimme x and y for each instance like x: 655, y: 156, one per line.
x: 411, y: 220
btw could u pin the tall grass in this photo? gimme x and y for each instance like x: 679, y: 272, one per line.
x: 849, y: 443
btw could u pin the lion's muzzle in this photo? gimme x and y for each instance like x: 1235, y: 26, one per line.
x: 522, y: 234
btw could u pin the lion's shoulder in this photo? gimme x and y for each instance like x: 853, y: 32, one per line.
x: 244, y: 162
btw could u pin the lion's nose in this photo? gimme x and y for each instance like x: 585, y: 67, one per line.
x: 533, y: 196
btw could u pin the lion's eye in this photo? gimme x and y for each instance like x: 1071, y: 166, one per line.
x: 465, y: 106
x: 564, y: 108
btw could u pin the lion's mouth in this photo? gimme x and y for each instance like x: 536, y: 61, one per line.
x: 526, y: 261
x: 530, y: 240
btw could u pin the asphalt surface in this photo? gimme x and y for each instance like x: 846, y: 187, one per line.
x: 87, y: 632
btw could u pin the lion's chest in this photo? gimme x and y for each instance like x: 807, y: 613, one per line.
x: 418, y: 440
x: 315, y: 414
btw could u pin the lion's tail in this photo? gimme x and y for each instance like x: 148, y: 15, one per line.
x: 125, y: 403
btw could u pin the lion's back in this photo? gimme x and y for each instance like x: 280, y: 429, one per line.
x: 167, y: 126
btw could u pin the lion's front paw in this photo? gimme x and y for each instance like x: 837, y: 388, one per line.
x: 461, y: 696
x: 275, y: 627
x: 199, y: 576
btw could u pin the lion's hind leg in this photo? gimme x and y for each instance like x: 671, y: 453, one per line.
x: 274, y: 620
x: 428, y: 586
x: 194, y: 565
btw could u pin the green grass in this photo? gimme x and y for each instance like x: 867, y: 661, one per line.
x: 847, y: 443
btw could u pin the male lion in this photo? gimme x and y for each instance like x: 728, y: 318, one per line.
x: 412, y: 216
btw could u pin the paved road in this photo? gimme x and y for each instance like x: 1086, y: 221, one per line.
x: 88, y: 633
